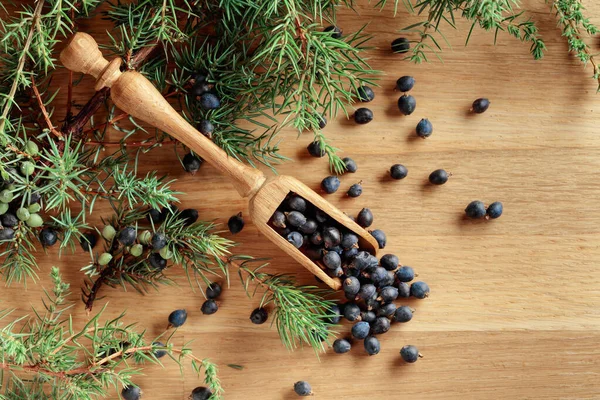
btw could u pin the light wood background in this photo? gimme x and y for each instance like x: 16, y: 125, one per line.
x: 514, y: 311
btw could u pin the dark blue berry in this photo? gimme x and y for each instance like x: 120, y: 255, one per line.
x: 332, y: 260
x: 409, y: 354
x: 9, y: 220
x: 403, y: 314
x: 192, y: 163
x: 48, y: 237
x: 259, y: 316
x: 296, y: 203
x: 363, y: 116
x: 200, y: 87
x: 330, y: 184
x: 398, y: 171
x: 438, y: 177
x: 302, y: 388
x: 405, y: 83
x: 159, y: 353
x: 155, y: 216
x: 350, y: 164
x: 349, y: 254
x: 201, y: 393
x: 360, y: 330
x: 278, y: 219
x: 424, y: 128
x: 296, y: 239
x: 480, y: 105
x: 213, y: 290
x: 475, y: 209
x: 295, y: 218
x: 341, y: 346
x: 321, y: 216
x: 368, y: 316
x: 157, y: 262
x: 419, y: 289
x: 403, y: 290
x: 494, y: 210
x: 314, y: 253
x: 88, y: 240
x: 236, y: 223
x: 351, y: 312
x: 380, y: 237
x: 335, y: 273
x: 381, y: 325
x: 335, y: 31
x: 127, y: 236
x: 366, y: 291
x: 189, y: 216
x: 364, y: 218
x: 349, y: 240
x: 335, y: 315
x: 177, y: 318
x: 378, y: 275
x: 131, y: 393
x: 159, y: 240
x: 388, y: 294
x: 322, y: 121
x: 355, y: 190
x: 386, y: 310
x: 361, y: 261
x: 351, y: 286
x: 315, y: 149
x: 389, y: 262
x: 316, y: 238
x: 365, y: 94
x: 331, y: 237
x: 6, y: 234
x: 400, y: 45
x: 209, y: 307
x: 206, y: 128
x: 407, y: 104
x: 372, y: 346
x: 209, y: 101
x: 309, y: 227
x: 405, y: 274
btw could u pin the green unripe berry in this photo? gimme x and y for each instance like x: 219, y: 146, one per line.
x: 104, y: 258
x: 6, y: 196
x: 136, y: 250
x: 35, y: 221
x: 145, y: 237
x: 27, y: 168
x: 31, y: 148
x: 23, y: 214
x: 35, y: 207
x: 165, y: 253
x: 109, y: 232
x: 3, y: 208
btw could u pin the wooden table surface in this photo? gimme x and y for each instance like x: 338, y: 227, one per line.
x: 514, y: 310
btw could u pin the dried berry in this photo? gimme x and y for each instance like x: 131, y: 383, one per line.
x: 335, y: 31
x: 388, y: 294
x: 398, y: 171
x: 364, y: 218
x: 177, y: 318
x: 368, y: 316
x: 363, y: 116
x: 309, y: 227
x: 48, y: 237
x: 330, y: 184
x: 315, y: 149
x: 349, y: 254
x: 475, y: 209
x: 381, y: 325
x: 365, y: 94
x: 400, y: 45
x: 351, y: 286
x: 424, y: 128
x: 316, y: 238
x: 389, y: 262
x: 366, y: 291
x: 335, y: 315
x: 351, y: 312
x: 127, y: 236
x: 386, y: 310
x: 191, y: 163
x: 480, y: 106
x: 380, y: 237
x: 259, y: 316
x: 350, y: 164
x: 296, y: 239
x: 209, y: 101
x: 209, y: 307
x: 332, y: 260
x: 494, y: 210
x: 419, y: 289
x: 355, y: 190
x: 405, y: 274
x: 6, y: 234
x: 278, y: 219
x: 236, y: 223
x: 360, y: 330
x: 407, y: 104
x: 410, y: 354
x: 403, y: 290
x: 341, y: 346
x: 296, y: 203
x: 331, y: 237
x: 295, y: 218
x: 405, y: 83
x: 372, y: 346
x: 302, y: 388
x: 438, y: 177
x: 403, y: 314
x: 9, y: 220
x: 213, y: 290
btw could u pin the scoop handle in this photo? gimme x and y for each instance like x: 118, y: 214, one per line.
x: 134, y: 94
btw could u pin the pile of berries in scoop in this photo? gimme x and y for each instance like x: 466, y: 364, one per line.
x: 371, y: 285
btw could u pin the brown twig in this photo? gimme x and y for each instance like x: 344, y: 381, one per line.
x: 102, y: 125
x: 43, y: 109
x: 130, y: 144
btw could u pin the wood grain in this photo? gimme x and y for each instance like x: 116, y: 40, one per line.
x: 514, y: 311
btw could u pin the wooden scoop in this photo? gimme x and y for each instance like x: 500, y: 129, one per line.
x: 135, y: 95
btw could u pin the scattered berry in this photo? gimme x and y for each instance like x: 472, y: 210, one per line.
x: 350, y: 164
x: 363, y: 116
x: 386, y: 310
x: 405, y: 83
x: 23, y: 214
x: 403, y: 290
x: 407, y: 104
x: 315, y: 149
x: 189, y: 216
x: 302, y: 388
x: 405, y: 274
x: 351, y: 312
x: 372, y: 346
x: 379, y: 235
x: 381, y: 325
x: 4, y: 208
x: 368, y: 316
x: 438, y: 177
x: 336, y: 32
x: 480, y: 106
x: 278, y: 219
x: 48, y: 237
x: 351, y: 286
x: 191, y: 163
x: 6, y: 196
x: 206, y: 128
x: 177, y: 318
x: 155, y: 216
x: 349, y: 240
x: 209, y: 101
x: 213, y: 290
x: 494, y: 210
x: 104, y: 258
x: 335, y: 315
x: 330, y: 184
x: 419, y: 289
x: 403, y: 314
x: 341, y: 346
x: 159, y: 241
x: 109, y: 232
x: 145, y: 237
x: 388, y: 294
x: 424, y: 128
x: 159, y: 353
x: 322, y: 121
x: 236, y: 223
x: 131, y: 393
x: 355, y: 190
x: 127, y: 236
x: 296, y: 239
x: 259, y: 316
x: 295, y: 218
x: 166, y: 253
x: 7, y: 234
x: 296, y: 203
x: 209, y: 307
x: 309, y: 227
x: 331, y: 237
x: 400, y: 45
x: 33, y: 208
x: 332, y: 260
x: 31, y: 148
x: 34, y: 221
x: 364, y: 218
x: 27, y: 168
x: 410, y: 354
x: 157, y: 262
x: 366, y: 291
x: 136, y: 250
x: 398, y: 171
x: 360, y: 330
x: 365, y: 94
x: 475, y: 209
x: 389, y: 262
x: 201, y: 393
